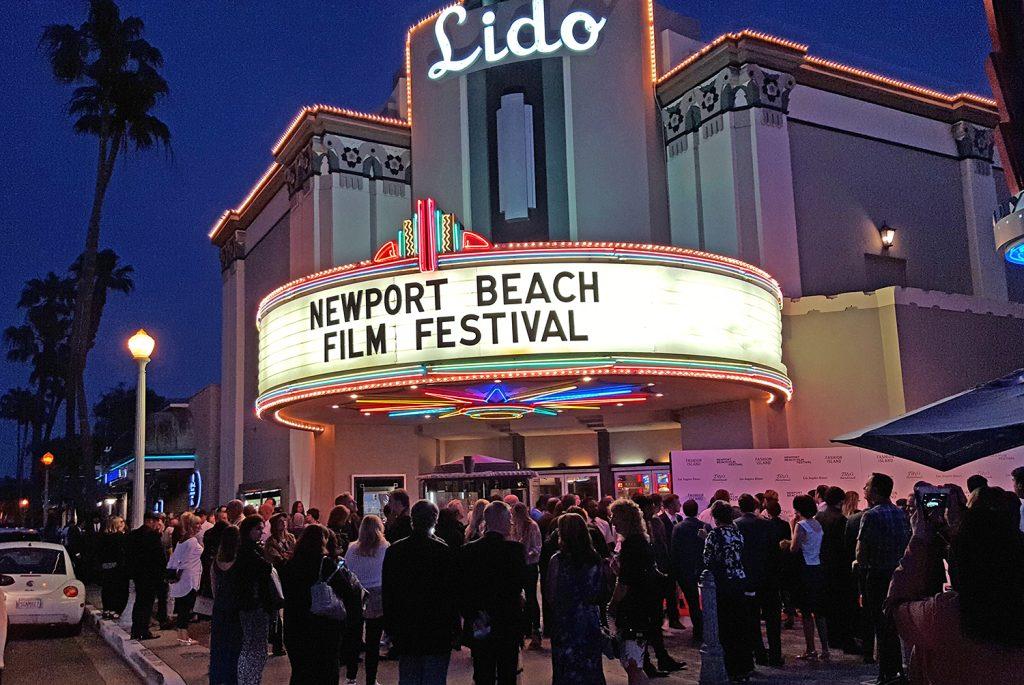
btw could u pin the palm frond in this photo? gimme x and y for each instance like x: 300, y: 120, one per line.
x: 67, y: 49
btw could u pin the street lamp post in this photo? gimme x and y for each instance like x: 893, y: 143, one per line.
x: 141, y: 347
x: 46, y: 460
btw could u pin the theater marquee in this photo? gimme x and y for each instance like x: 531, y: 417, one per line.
x: 462, y: 309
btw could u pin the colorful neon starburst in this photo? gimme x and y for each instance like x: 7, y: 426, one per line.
x: 498, y: 402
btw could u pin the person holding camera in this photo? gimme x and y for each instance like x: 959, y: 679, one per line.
x: 973, y: 632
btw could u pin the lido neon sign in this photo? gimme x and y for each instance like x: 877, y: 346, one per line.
x: 537, y: 44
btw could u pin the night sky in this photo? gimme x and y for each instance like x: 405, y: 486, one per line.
x: 238, y: 72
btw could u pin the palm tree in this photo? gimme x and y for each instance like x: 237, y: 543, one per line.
x: 118, y: 84
x: 20, y: 405
x: 110, y: 277
x: 42, y: 342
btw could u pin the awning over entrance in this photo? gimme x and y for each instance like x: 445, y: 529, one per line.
x: 480, y: 467
x: 953, y: 431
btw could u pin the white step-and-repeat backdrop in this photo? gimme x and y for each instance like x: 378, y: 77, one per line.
x: 697, y: 474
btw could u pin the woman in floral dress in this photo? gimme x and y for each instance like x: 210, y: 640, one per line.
x: 575, y: 584
x: 723, y: 556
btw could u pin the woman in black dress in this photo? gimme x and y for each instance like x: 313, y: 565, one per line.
x: 313, y: 642
x: 252, y: 587
x: 225, y: 630
x: 635, y: 602
x: 113, y: 569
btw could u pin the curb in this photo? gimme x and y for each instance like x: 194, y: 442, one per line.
x: 142, y: 660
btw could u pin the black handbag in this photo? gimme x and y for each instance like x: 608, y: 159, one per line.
x: 172, y: 575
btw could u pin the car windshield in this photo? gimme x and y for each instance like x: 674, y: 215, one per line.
x: 17, y: 560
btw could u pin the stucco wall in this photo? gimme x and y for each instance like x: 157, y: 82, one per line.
x: 946, y: 352
x: 636, y: 447
x: 205, y: 409
x: 265, y: 445
x: 576, y: 449
x: 843, y: 360
x: 366, y: 449
x: 846, y: 185
x: 499, y: 447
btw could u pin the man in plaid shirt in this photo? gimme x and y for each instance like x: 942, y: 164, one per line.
x: 884, y: 535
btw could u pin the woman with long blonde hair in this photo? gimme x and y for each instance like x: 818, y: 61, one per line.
x: 635, y: 569
x: 460, y: 509
x: 186, y: 562
x: 475, y: 527
x: 851, y: 503
x: 113, y: 567
x: 526, y: 531
x: 365, y: 558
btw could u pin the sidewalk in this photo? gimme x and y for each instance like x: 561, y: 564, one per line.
x: 192, y: 663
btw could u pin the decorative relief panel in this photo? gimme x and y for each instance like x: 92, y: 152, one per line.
x: 332, y: 153
x: 233, y: 249
x: 732, y: 89
x: 973, y: 142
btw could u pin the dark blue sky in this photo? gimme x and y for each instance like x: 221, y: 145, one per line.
x: 238, y: 72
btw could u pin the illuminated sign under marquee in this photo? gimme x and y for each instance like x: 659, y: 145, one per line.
x: 195, y: 489
x: 525, y: 37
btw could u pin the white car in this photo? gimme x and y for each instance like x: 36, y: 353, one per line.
x: 44, y: 590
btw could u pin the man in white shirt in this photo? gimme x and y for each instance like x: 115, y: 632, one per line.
x: 1018, y: 487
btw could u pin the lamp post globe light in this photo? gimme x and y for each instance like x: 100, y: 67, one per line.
x: 46, y: 460
x: 141, y: 346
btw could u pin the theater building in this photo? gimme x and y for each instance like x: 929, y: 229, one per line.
x: 580, y: 238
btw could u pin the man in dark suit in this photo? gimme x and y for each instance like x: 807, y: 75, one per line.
x: 838, y: 577
x: 757, y: 555
x: 146, y: 566
x: 492, y: 571
x: 669, y: 517
x: 398, y: 525
x: 857, y: 619
x: 687, y: 552
x: 419, y: 598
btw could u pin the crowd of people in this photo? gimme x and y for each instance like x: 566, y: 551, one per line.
x: 935, y: 598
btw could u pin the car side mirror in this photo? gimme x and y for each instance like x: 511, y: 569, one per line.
x: 6, y: 580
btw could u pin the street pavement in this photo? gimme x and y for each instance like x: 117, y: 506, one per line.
x: 192, y: 663
x: 34, y: 657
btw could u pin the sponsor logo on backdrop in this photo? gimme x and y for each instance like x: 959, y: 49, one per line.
x: 795, y: 471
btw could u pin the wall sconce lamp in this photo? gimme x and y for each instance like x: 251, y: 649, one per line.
x: 887, y: 234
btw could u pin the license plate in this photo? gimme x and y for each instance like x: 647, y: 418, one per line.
x: 30, y: 604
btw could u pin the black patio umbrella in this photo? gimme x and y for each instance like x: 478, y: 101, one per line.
x: 954, y: 431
